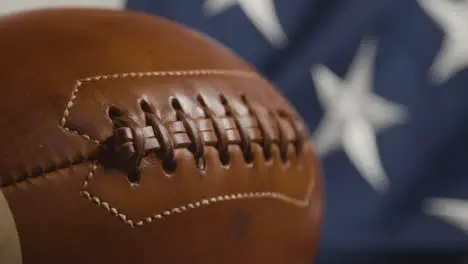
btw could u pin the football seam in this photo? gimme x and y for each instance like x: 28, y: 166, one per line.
x: 133, y: 140
x: 76, y: 89
x: 304, y: 202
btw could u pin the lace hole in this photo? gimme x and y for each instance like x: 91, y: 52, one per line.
x: 145, y: 106
x: 223, y: 100
x: 176, y: 104
x: 170, y: 166
x: 201, y: 101
x: 249, y: 158
x: 134, y: 177
x: 225, y: 159
x: 113, y: 112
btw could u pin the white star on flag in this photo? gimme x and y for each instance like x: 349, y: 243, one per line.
x: 354, y: 115
x: 262, y: 14
x: 452, y: 17
x: 453, y: 211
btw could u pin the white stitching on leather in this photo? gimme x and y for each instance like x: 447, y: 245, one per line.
x: 301, y: 203
x: 79, y: 83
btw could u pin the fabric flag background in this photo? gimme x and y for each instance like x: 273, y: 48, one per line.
x: 383, y: 86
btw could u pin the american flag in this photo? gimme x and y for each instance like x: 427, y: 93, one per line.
x: 383, y: 86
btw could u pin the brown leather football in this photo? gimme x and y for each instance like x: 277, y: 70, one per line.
x: 127, y: 138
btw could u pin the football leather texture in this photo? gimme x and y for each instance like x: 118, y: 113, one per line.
x: 128, y: 138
